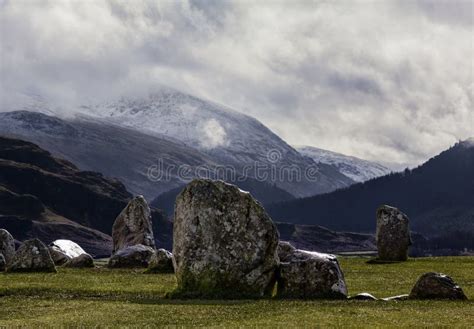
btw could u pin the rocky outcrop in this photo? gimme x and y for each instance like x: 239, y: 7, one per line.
x: 224, y: 243
x: 64, y: 250
x: 81, y: 261
x: 132, y: 257
x: 161, y: 262
x: 32, y: 256
x: 436, y: 286
x: 305, y: 274
x: 133, y: 225
x: 7, y: 246
x: 392, y: 234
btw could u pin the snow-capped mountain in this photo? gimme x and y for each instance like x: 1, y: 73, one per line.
x: 227, y: 136
x: 121, y: 153
x: 357, y: 169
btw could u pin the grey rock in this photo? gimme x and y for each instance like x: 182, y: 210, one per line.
x: 3, y: 263
x: 436, y: 286
x: 132, y: 257
x: 363, y: 296
x: 161, y: 262
x: 310, y: 275
x: 64, y: 250
x: 393, y: 234
x: 81, y: 261
x: 224, y: 243
x: 396, y: 298
x: 285, y: 251
x: 32, y: 256
x: 7, y: 246
x: 133, y: 225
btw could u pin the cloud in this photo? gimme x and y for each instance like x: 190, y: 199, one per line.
x: 213, y: 134
x: 389, y: 81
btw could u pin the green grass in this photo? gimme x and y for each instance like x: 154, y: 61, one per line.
x: 103, y: 297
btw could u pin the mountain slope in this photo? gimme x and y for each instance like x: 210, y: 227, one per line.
x: 227, y: 136
x: 437, y: 197
x: 38, y: 191
x: 356, y: 169
x: 146, y: 164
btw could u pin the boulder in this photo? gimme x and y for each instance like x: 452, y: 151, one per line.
x: 132, y: 257
x: 3, y: 263
x: 7, y: 246
x: 436, y: 286
x: 161, y: 262
x: 64, y: 250
x: 32, y: 256
x: 224, y: 243
x: 309, y: 275
x: 81, y: 261
x: 393, y: 234
x: 133, y: 225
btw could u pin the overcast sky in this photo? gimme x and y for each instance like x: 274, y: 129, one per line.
x: 382, y: 80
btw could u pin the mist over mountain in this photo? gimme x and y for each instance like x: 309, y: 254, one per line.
x: 437, y: 196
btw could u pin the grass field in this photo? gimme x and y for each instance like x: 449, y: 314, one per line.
x: 102, y: 297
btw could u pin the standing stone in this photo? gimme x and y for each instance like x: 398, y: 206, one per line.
x: 161, y: 262
x: 131, y: 257
x: 133, y: 225
x: 7, y: 246
x: 32, y: 256
x: 393, y: 234
x: 3, y: 263
x: 81, y: 261
x: 64, y: 250
x: 224, y: 243
x: 308, y: 275
x: 436, y: 286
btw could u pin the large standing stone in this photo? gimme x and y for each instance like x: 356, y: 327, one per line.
x: 64, y: 250
x: 133, y: 225
x: 306, y: 274
x: 131, y: 257
x: 81, y: 261
x: 32, y: 256
x: 224, y: 243
x: 436, y: 286
x: 393, y: 234
x: 7, y: 246
x: 161, y: 262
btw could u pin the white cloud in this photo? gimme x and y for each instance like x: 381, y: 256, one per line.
x: 389, y: 81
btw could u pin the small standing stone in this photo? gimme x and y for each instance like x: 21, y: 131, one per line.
x: 81, y: 261
x: 7, y: 246
x: 308, y: 275
x: 161, y: 262
x: 436, y: 286
x: 131, y: 257
x: 32, y: 256
x: 133, y: 226
x: 64, y: 250
x: 393, y: 234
